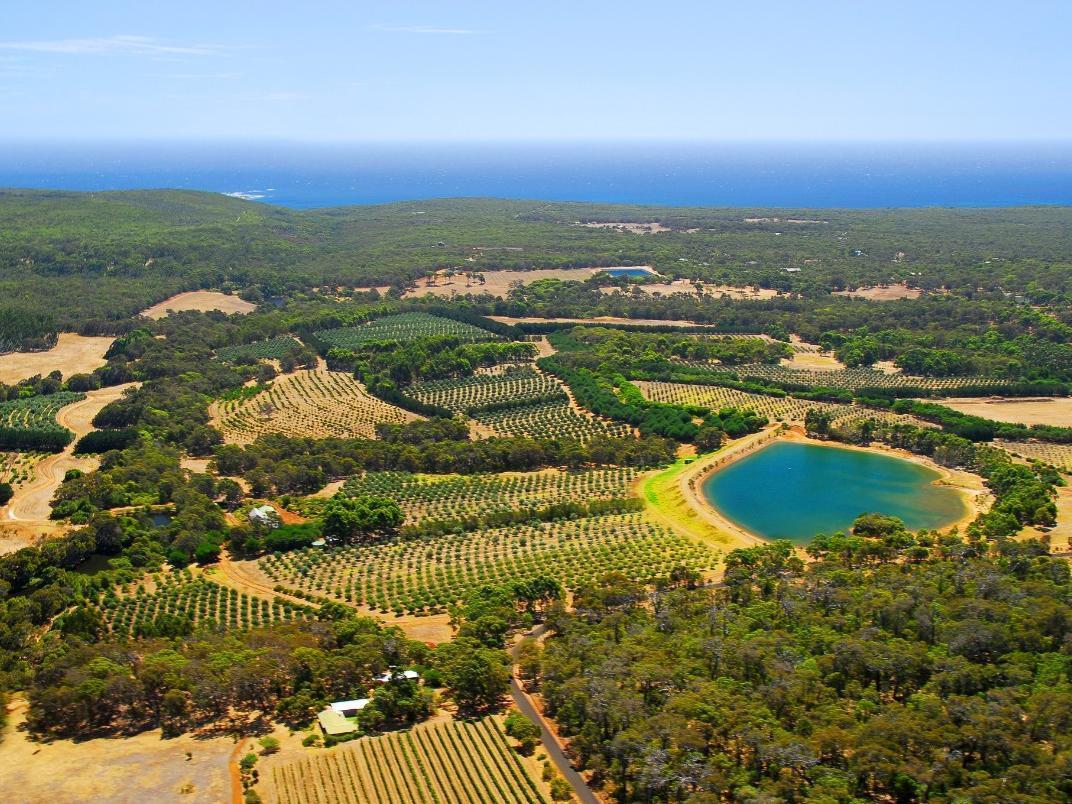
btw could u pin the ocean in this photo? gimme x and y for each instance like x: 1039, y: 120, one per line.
x: 740, y: 175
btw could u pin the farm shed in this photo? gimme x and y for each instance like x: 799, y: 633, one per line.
x: 264, y: 515
x: 392, y: 675
x: 349, y: 708
x: 334, y: 724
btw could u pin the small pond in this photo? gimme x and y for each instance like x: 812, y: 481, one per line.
x: 792, y: 490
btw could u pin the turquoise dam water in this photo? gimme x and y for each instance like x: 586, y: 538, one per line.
x: 791, y: 490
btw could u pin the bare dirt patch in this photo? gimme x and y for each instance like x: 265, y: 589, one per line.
x: 201, y: 300
x: 882, y: 293
x: 791, y: 221
x: 498, y: 283
x: 432, y: 629
x: 610, y: 319
x: 1056, y: 411
x: 813, y: 361
x: 72, y: 354
x: 686, y: 286
x: 635, y: 228
x: 141, y: 768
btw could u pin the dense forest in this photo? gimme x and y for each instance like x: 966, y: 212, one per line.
x: 903, y: 668
x: 88, y: 261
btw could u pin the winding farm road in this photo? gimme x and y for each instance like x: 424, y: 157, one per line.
x: 27, y: 515
x: 523, y: 701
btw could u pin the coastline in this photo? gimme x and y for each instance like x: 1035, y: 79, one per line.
x: 689, y: 481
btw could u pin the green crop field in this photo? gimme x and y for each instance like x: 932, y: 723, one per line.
x: 853, y: 379
x: 402, y: 327
x: 260, y: 350
x: 481, y: 390
x: 430, y: 574
x: 36, y: 412
x: 451, y: 496
x: 204, y: 603
x: 445, y: 761
x: 787, y: 408
x: 550, y: 420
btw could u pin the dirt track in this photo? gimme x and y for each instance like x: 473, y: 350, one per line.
x: 26, y: 517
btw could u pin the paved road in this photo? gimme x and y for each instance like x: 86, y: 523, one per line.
x: 547, y: 737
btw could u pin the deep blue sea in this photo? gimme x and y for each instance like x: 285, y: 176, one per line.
x: 820, y: 175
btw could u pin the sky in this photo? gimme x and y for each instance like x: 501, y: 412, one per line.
x: 334, y: 71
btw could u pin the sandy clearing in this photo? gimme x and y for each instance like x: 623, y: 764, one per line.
x: 72, y: 354
x: 1056, y: 411
x: 637, y: 322
x: 203, y: 300
x: 621, y: 226
x: 195, y: 465
x: 882, y: 293
x: 685, y: 286
x: 427, y: 628
x: 141, y: 768
x: 26, y: 517
x: 813, y: 361
x: 498, y: 283
x: 794, y: 221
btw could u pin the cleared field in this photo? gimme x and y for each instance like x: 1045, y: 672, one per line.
x: 495, y: 283
x: 882, y: 293
x: 402, y: 327
x: 463, y: 394
x: 812, y: 361
x: 499, y: 283
x: 685, y: 286
x: 204, y: 603
x: 314, y: 403
x: 260, y: 350
x: 453, y: 496
x: 72, y: 354
x: 446, y: 761
x: 190, y: 768
x: 427, y: 575
x: 550, y: 420
x: 201, y: 300
x: 1044, y: 410
x: 1059, y: 455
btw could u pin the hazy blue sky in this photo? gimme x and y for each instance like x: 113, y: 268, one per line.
x: 334, y: 70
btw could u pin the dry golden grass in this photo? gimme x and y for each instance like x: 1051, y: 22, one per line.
x: 1056, y: 411
x: 882, y: 293
x: 496, y: 283
x: 72, y: 354
x: 142, y: 768
x: 202, y: 300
